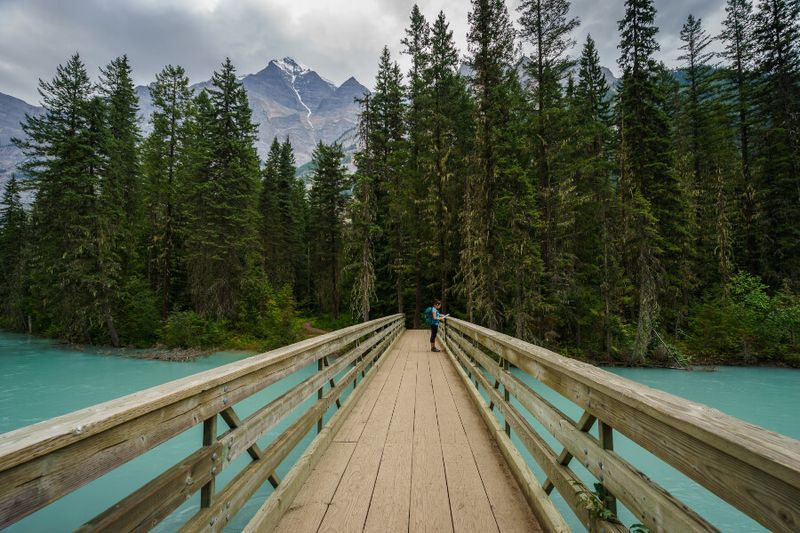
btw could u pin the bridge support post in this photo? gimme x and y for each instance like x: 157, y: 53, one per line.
x: 209, y: 437
x: 606, y: 434
x: 319, y: 397
x: 506, y: 395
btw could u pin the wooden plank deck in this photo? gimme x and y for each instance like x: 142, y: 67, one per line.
x: 414, y: 455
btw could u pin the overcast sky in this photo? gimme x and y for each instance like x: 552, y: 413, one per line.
x: 338, y: 39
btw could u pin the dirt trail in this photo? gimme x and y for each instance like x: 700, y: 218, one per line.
x: 311, y: 330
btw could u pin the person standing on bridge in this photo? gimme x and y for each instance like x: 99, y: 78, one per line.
x: 433, y: 316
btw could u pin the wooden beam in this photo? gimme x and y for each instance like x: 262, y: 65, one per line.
x: 584, y: 424
x: 606, y: 438
x: 41, y: 463
x: 158, y: 498
x: 209, y: 438
x: 239, y: 490
x: 568, y: 484
x: 655, y: 507
x: 546, y: 513
x: 270, y: 513
x: 755, y: 470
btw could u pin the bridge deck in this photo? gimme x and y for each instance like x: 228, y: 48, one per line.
x: 413, y: 455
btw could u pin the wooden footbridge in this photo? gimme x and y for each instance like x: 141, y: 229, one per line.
x: 395, y: 438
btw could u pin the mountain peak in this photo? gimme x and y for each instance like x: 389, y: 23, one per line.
x: 290, y: 66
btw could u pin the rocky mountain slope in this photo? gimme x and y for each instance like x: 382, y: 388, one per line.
x: 287, y: 98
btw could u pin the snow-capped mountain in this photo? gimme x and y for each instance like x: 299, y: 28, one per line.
x: 12, y: 112
x: 287, y: 99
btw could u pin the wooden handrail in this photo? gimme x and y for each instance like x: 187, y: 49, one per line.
x: 43, y: 462
x: 755, y: 470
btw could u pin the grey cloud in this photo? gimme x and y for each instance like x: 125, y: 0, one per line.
x: 337, y: 39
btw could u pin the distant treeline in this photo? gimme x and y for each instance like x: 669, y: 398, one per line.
x: 657, y: 221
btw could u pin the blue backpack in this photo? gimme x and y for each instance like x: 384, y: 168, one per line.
x: 429, y: 316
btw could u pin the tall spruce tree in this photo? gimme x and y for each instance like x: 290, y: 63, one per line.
x: 738, y: 90
x: 363, y: 216
x: 281, y: 216
x: 163, y: 154
x: 327, y: 205
x: 447, y: 155
x: 13, y: 228
x: 416, y: 45
x: 500, y: 259
x: 270, y: 216
x: 598, y: 270
x: 777, y: 35
x: 222, y: 248
x: 65, y: 159
x: 386, y: 153
x: 547, y: 27
x: 706, y: 157
x: 122, y: 184
x: 652, y: 199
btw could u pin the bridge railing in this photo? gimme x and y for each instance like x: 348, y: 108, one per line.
x: 755, y: 470
x: 44, y: 462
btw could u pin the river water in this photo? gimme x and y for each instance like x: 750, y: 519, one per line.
x: 40, y: 379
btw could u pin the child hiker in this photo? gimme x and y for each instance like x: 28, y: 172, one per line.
x: 433, y: 317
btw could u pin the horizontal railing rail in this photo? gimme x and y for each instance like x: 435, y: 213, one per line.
x: 755, y: 470
x: 42, y: 463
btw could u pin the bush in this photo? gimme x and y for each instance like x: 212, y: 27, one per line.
x: 265, y: 313
x: 747, y: 323
x: 185, y: 329
x: 139, y: 317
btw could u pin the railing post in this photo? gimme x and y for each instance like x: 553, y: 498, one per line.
x: 506, y: 395
x: 319, y: 396
x: 605, y: 432
x: 209, y: 436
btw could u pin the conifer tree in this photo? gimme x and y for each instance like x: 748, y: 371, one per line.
x: 363, y: 216
x: 416, y: 45
x: 777, y: 35
x: 222, y: 247
x: 327, y: 205
x: 447, y: 154
x: 281, y: 223
x: 387, y: 152
x: 599, y: 272
x: 738, y: 90
x: 706, y: 156
x: 65, y: 161
x: 547, y: 27
x: 270, y: 231
x: 163, y: 155
x: 500, y: 259
x: 652, y: 199
x: 13, y: 228
x: 123, y: 173
x: 695, y: 59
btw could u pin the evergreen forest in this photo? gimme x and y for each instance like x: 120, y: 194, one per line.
x: 653, y: 222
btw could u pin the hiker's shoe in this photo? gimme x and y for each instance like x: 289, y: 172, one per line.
x: 435, y: 350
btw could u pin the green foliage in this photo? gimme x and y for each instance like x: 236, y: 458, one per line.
x: 222, y: 245
x: 139, y: 317
x: 327, y: 209
x: 266, y: 313
x: 184, y: 329
x: 747, y: 323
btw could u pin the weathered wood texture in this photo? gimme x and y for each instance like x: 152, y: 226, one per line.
x: 41, y: 463
x: 753, y: 469
x: 412, y: 456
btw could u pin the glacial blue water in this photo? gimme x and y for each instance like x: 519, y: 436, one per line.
x: 40, y: 379
x: 768, y: 397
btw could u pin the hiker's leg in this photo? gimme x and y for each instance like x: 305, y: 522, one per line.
x: 434, y: 330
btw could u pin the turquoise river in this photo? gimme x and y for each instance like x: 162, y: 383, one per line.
x: 40, y: 379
